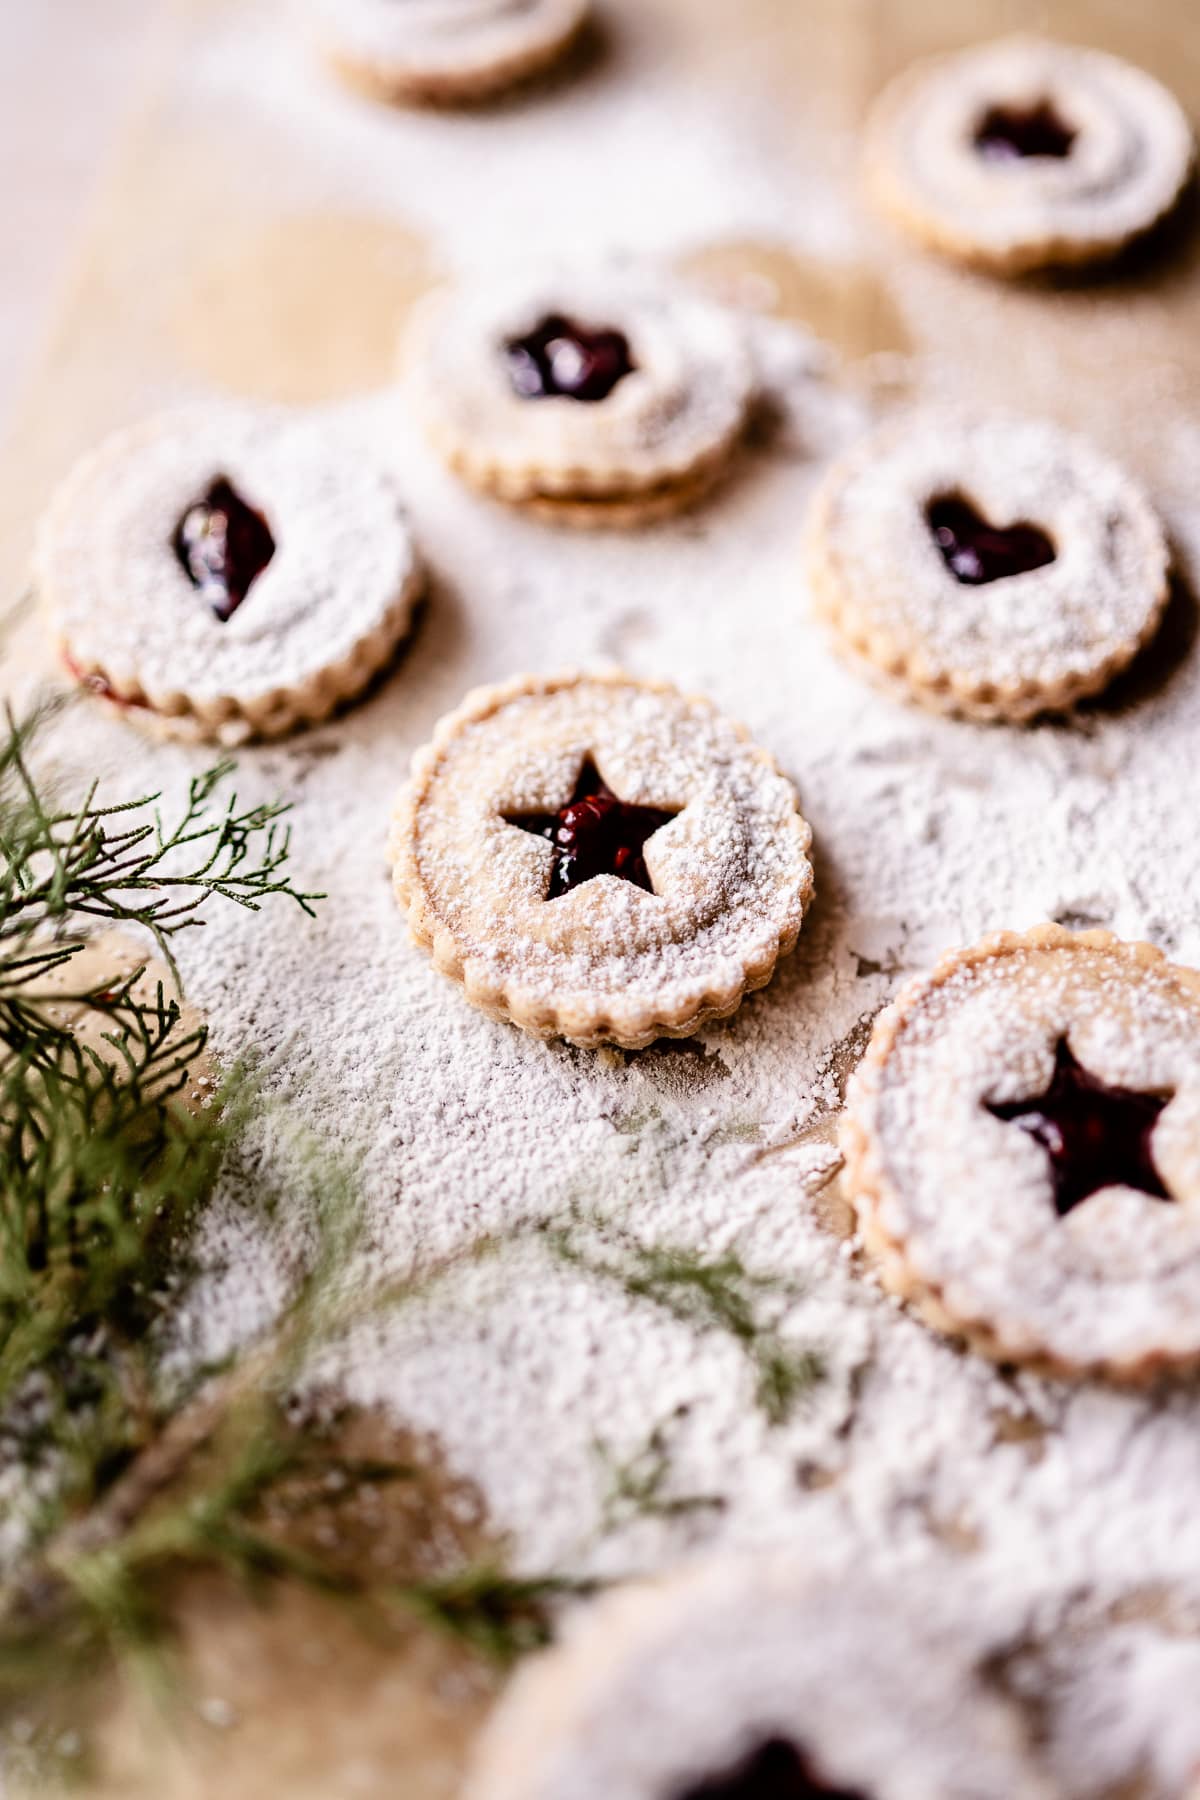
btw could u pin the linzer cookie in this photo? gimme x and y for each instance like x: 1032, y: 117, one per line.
x: 762, y: 1679
x: 1025, y: 154
x: 444, y: 52
x: 600, y: 858
x: 226, y: 573
x: 609, y: 397
x: 1022, y: 1146
x: 991, y: 566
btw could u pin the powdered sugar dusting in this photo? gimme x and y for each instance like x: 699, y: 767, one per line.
x: 1042, y: 1512
x: 461, y: 1128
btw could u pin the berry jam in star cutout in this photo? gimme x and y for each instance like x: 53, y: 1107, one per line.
x: 1008, y: 134
x: 976, y: 552
x: 777, y: 1771
x: 595, y: 834
x: 561, y: 358
x: 223, y: 546
x: 1095, y: 1136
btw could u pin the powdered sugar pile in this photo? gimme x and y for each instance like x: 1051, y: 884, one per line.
x: 1014, y: 1496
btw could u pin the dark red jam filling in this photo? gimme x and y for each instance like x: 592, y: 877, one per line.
x: 595, y: 834
x: 223, y: 546
x: 96, y: 684
x: 976, y: 552
x: 1013, y: 133
x: 1094, y: 1135
x: 777, y: 1771
x: 561, y: 357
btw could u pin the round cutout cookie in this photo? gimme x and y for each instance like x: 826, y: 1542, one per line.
x: 603, y: 396
x: 987, y: 565
x: 1022, y: 1144
x: 225, y: 573
x: 754, y: 1678
x: 1025, y: 154
x: 600, y: 858
x: 444, y: 52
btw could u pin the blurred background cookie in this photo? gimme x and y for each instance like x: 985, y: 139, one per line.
x: 1024, y: 153
x: 608, y: 395
x: 444, y: 52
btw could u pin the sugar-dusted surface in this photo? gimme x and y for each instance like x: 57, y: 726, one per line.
x: 1016, y: 645
x: 730, y: 873
x: 1130, y: 154
x: 679, y: 408
x: 1013, y: 1497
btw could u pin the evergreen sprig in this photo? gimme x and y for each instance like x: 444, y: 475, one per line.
x: 123, y: 863
x: 102, y: 1157
x: 712, y: 1292
x: 501, y: 1617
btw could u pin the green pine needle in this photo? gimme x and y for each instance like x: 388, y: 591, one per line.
x: 640, y: 1485
x: 501, y: 1617
x: 715, y: 1293
x: 123, y: 863
x: 102, y: 1162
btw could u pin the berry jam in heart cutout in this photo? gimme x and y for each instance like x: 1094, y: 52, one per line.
x: 595, y: 834
x: 976, y: 552
x: 223, y: 546
x: 562, y: 359
x: 777, y: 1771
x: 1016, y: 133
x: 1095, y: 1136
